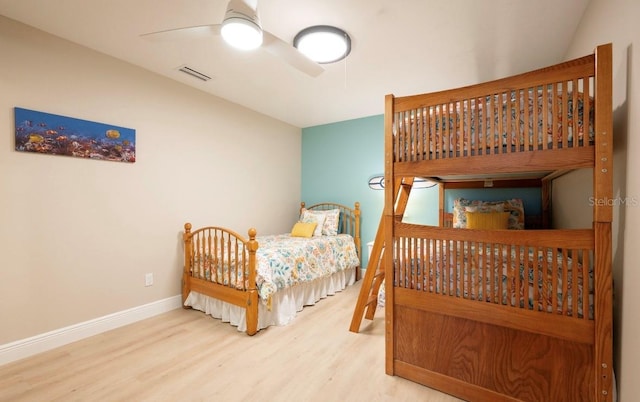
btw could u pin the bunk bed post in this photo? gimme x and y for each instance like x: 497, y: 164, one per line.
x: 602, y: 216
x: 186, y: 286
x: 388, y: 214
x: 357, y: 239
x: 252, y: 291
x: 441, y: 204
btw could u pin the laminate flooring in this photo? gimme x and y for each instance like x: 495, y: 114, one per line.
x: 185, y: 355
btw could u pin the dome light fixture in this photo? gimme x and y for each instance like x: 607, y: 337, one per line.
x: 377, y: 182
x: 323, y: 43
x: 241, y: 31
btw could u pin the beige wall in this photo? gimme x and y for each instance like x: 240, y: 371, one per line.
x: 616, y: 21
x: 77, y: 235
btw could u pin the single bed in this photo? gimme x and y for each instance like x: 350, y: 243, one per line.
x: 260, y: 281
x: 495, y: 313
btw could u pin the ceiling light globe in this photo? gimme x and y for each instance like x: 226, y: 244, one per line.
x: 241, y: 33
x: 323, y: 44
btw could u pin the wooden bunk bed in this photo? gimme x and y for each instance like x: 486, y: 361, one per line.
x: 260, y: 281
x: 486, y: 314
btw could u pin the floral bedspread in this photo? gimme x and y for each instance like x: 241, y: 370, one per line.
x: 284, y: 261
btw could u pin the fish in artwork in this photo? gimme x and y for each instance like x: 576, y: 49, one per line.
x: 113, y: 134
x: 35, y: 138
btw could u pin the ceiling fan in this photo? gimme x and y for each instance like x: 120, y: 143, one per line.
x: 241, y: 20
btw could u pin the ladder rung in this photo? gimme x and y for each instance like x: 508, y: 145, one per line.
x: 371, y: 282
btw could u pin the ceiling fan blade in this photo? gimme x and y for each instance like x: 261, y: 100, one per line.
x: 290, y: 55
x: 186, y: 33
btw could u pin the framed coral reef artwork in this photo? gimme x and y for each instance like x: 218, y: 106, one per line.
x: 52, y: 134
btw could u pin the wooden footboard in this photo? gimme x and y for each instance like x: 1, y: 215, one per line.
x: 222, y: 264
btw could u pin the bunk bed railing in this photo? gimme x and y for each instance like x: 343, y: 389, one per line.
x: 555, y: 111
x: 547, y: 271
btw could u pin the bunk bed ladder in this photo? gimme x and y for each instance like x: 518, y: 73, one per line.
x: 374, y: 274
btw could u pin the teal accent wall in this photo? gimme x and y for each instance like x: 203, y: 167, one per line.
x: 422, y: 207
x: 338, y: 159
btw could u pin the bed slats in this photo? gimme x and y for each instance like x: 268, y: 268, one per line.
x: 557, y: 114
x: 517, y: 275
x: 220, y: 256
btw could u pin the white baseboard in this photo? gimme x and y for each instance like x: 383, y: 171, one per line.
x: 22, y: 348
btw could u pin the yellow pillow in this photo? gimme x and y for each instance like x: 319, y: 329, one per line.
x: 487, y: 220
x: 303, y: 229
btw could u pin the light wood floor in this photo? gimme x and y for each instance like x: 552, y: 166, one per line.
x: 185, y: 355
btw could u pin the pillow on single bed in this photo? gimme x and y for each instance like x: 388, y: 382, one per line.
x: 303, y: 229
x: 332, y: 217
x: 318, y: 219
x: 487, y: 220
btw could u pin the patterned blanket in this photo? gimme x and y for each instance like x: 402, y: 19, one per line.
x: 282, y: 261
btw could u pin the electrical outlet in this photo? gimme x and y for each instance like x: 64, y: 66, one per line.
x: 148, y: 279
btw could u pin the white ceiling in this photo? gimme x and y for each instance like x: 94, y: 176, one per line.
x: 398, y: 46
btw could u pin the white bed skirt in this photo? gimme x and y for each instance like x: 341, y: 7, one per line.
x: 285, y: 303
